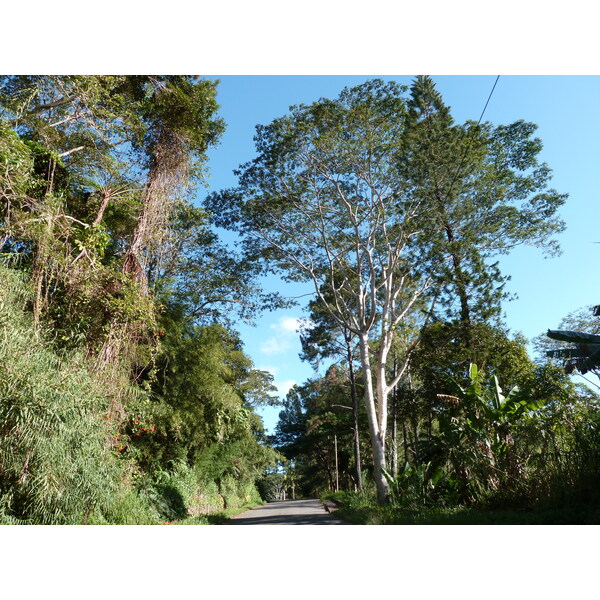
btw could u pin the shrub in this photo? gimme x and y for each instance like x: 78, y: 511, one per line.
x: 56, y: 460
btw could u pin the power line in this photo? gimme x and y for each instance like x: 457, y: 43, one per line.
x: 471, y: 140
x: 488, y: 100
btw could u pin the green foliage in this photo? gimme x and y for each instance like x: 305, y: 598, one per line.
x: 125, y: 401
x: 199, y: 374
x: 203, y: 276
x: 486, y: 192
x: 387, y: 207
x: 317, y: 416
x: 79, y: 142
x: 442, y: 349
x: 502, y: 450
x: 362, y: 509
x: 16, y: 164
x: 415, y: 485
x: 272, y: 486
x: 65, y: 459
x: 183, y: 104
x: 57, y: 464
x: 529, y: 455
x: 125, y: 397
x: 475, y: 435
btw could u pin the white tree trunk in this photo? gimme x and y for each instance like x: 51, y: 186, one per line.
x: 377, y: 438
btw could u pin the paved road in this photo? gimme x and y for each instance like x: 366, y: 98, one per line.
x: 287, y: 512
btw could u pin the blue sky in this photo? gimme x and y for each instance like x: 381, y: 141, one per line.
x: 564, y: 108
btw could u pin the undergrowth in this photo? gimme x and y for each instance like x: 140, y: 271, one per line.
x: 362, y: 509
x: 59, y: 463
x: 56, y: 462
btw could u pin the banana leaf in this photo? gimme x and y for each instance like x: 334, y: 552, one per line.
x: 575, y: 337
x: 590, y: 363
x: 582, y: 350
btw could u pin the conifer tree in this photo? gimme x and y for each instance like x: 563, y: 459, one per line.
x: 487, y: 193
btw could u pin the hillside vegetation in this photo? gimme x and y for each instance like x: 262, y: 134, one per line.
x: 125, y: 394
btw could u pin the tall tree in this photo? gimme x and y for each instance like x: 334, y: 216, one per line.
x: 340, y: 195
x: 323, y: 201
x: 487, y: 192
x: 179, y: 114
x: 109, y: 159
x: 314, y: 431
x: 71, y: 129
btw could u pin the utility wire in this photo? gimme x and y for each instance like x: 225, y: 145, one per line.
x: 488, y: 100
x: 471, y: 140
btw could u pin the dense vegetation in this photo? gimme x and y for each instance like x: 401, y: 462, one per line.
x: 397, y: 215
x: 125, y: 393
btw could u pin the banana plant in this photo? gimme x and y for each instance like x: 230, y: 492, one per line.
x: 414, y: 484
x: 476, y: 428
x: 586, y: 354
x: 511, y: 408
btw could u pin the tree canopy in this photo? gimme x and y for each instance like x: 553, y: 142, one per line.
x: 379, y: 199
x: 134, y: 398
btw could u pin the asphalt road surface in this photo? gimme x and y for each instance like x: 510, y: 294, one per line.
x: 287, y: 512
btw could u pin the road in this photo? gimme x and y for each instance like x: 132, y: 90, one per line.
x: 287, y: 512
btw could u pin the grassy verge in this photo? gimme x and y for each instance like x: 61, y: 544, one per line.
x: 217, y: 518
x: 362, y: 512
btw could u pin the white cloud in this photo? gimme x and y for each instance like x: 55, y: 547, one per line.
x: 275, y: 346
x: 285, y: 336
x: 283, y: 387
x: 287, y: 325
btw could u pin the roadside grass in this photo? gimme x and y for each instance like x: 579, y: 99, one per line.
x: 217, y: 518
x: 353, y: 510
